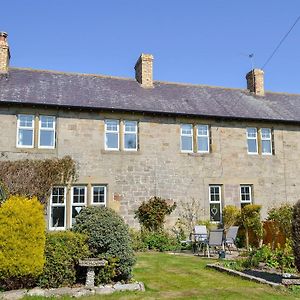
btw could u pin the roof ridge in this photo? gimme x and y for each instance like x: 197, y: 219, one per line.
x: 71, y: 73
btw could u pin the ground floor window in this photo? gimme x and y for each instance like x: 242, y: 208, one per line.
x: 78, y: 201
x: 246, y: 195
x: 99, y: 195
x: 215, y: 207
x: 58, y: 208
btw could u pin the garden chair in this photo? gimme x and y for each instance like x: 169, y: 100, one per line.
x: 231, y: 237
x: 199, y: 237
x: 215, y: 240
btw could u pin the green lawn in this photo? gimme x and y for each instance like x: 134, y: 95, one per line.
x: 169, y: 276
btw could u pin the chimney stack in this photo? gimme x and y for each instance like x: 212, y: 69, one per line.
x: 144, y: 70
x: 4, y: 53
x: 255, y: 82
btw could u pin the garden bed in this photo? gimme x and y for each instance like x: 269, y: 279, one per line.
x: 270, y: 277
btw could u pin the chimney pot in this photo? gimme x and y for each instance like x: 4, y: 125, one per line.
x: 255, y: 82
x: 4, y: 53
x: 144, y: 70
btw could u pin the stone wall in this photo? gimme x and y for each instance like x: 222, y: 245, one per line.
x: 158, y: 168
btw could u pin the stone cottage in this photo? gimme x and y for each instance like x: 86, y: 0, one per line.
x: 137, y: 138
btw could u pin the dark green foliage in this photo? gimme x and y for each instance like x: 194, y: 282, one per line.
x: 108, y: 237
x: 152, y: 214
x: 63, y: 251
x: 296, y: 234
x: 160, y: 241
x: 279, y: 258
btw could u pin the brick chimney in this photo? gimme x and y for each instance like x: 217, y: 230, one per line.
x: 255, y: 82
x: 144, y: 70
x: 4, y: 53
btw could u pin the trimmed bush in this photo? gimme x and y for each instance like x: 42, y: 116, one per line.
x: 159, y: 241
x: 296, y: 234
x: 63, y: 250
x: 152, y: 213
x: 22, y: 242
x: 231, y: 215
x: 250, y: 219
x: 108, y: 237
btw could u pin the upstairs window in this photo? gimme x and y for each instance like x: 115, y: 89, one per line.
x: 99, y: 195
x: 203, y: 138
x: 58, y: 208
x: 246, y: 195
x: 47, y: 132
x: 25, y: 131
x: 186, y: 138
x: 78, y: 201
x: 130, y: 135
x: 266, y: 141
x: 252, y: 140
x: 112, y: 134
x: 215, y: 208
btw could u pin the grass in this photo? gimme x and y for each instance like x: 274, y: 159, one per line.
x: 185, y: 277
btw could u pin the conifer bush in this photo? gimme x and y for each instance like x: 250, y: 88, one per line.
x: 22, y: 242
x: 108, y: 237
x: 296, y: 234
x: 63, y: 251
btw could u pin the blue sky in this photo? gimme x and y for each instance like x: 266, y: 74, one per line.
x: 204, y: 42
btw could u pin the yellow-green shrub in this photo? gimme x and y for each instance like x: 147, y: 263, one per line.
x: 22, y: 241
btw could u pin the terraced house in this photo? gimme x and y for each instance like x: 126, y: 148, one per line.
x: 137, y: 138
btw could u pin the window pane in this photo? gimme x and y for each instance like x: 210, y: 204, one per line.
x: 47, y: 138
x: 58, y: 216
x: 112, y: 125
x: 266, y: 133
x: 78, y: 195
x: 203, y: 144
x: 25, y: 137
x: 266, y: 146
x: 58, y: 195
x: 98, y: 194
x: 130, y: 141
x: 130, y: 126
x: 251, y: 132
x: 202, y: 130
x: 252, y: 148
x: 186, y: 129
x: 47, y: 122
x: 26, y: 120
x: 186, y: 143
x: 112, y: 140
x: 215, y: 212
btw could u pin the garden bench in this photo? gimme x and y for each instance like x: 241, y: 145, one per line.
x: 91, y: 263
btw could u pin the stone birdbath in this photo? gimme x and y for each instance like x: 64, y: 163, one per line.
x: 91, y: 263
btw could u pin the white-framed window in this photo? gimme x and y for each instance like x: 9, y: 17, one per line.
x: 57, y: 220
x: 246, y: 194
x: 112, y: 134
x: 78, y: 201
x: 266, y: 141
x: 99, y: 195
x: 47, y: 132
x: 186, y: 138
x: 25, y: 131
x: 215, y: 203
x: 130, y: 135
x: 203, y: 138
x: 252, y: 140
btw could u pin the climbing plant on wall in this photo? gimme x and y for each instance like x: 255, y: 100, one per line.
x: 36, y: 177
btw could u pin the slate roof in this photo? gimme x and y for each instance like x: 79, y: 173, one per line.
x: 26, y: 86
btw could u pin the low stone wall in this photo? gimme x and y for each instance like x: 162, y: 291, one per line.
x: 73, y: 292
